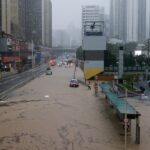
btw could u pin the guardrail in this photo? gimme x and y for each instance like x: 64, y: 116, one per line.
x: 22, y: 79
x: 126, y: 69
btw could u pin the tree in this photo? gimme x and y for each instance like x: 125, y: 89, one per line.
x: 147, y: 49
x: 79, y: 53
x: 109, y: 59
x: 141, y: 59
x: 129, y: 60
x: 130, y: 47
x: 113, y: 48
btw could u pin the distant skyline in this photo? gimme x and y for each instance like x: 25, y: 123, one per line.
x: 66, y: 12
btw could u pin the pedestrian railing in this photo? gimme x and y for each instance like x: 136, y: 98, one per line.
x: 123, y: 108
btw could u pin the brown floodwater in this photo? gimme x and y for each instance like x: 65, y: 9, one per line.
x: 46, y: 114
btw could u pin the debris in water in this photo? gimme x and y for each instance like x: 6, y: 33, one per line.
x: 46, y: 96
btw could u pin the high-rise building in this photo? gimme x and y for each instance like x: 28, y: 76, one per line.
x: 74, y: 35
x: 107, y: 26
x: 33, y: 21
x: 118, y: 19
x: 147, y: 19
x: 12, y: 17
x: 22, y: 12
x: 132, y: 20
x: 123, y: 20
x: 128, y: 19
x: 15, y: 26
x: 18, y: 18
x: 61, y: 39
x: 38, y: 22
x: 47, y: 23
x: 92, y: 13
x: 114, y: 19
x: 5, y: 15
x: 0, y: 15
x: 142, y: 20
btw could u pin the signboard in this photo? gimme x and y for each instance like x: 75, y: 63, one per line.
x: 10, y: 58
x: 94, y: 43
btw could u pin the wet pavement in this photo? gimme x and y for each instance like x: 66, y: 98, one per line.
x: 46, y: 114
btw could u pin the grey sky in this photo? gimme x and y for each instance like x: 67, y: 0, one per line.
x: 67, y: 12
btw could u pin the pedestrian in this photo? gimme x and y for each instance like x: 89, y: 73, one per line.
x: 96, y: 88
x: 89, y: 85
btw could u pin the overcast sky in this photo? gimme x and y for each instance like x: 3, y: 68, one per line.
x: 66, y: 12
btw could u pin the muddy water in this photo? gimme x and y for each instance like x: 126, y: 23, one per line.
x: 46, y: 114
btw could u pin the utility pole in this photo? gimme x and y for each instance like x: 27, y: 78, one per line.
x: 148, y: 62
x: 120, y: 65
x: 125, y: 120
x: 32, y: 55
x: 19, y: 60
x: 148, y: 49
x: 148, y: 53
x: 74, y: 74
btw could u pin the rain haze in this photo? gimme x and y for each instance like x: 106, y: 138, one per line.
x: 68, y: 12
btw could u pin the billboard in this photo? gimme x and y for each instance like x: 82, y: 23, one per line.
x: 92, y: 68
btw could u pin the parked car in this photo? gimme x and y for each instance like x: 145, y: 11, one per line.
x: 144, y: 97
x: 49, y: 71
x: 74, y: 83
x: 148, y: 82
x: 142, y: 89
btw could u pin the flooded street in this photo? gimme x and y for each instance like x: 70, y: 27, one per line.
x: 46, y: 114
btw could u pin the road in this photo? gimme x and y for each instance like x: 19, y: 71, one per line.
x: 46, y: 114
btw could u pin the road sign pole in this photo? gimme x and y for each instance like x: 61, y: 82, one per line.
x: 125, y: 121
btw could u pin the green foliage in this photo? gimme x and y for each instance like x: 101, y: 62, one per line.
x: 111, y: 55
x: 147, y: 45
x: 109, y: 59
x: 141, y: 60
x: 79, y: 53
x: 130, y: 47
x: 113, y: 48
x: 128, y: 78
x: 129, y: 60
